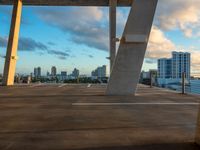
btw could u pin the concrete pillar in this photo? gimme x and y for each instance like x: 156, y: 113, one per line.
x: 129, y: 59
x: 11, y: 55
x: 112, y: 18
x: 197, y: 135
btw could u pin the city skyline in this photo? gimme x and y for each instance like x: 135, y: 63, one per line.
x: 53, y: 71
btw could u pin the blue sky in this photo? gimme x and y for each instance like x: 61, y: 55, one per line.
x: 67, y: 38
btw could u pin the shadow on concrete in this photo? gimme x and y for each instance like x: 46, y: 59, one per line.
x: 162, y: 146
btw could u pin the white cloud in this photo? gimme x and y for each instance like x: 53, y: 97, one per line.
x: 178, y: 14
x: 83, y: 24
x: 159, y: 45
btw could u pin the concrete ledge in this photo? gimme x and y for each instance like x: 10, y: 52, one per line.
x: 68, y: 2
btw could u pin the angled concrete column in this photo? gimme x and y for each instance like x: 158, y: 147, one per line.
x: 112, y: 17
x: 11, y: 55
x: 128, y: 62
x: 197, y: 137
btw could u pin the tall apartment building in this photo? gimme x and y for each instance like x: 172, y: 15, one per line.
x: 75, y: 73
x: 37, y: 72
x: 53, y: 71
x: 165, y: 68
x: 175, y: 66
x: 99, y: 72
x: 180, y: 64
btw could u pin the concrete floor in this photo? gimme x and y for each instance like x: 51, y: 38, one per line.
x: 65, y: 117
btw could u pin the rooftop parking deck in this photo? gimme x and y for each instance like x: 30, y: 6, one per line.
x: 81, y: 117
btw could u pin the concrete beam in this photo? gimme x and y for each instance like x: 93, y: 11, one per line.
x: 128, y: 62
x: 69, y: 2
x: 112, y: 19
x: 11, y: 55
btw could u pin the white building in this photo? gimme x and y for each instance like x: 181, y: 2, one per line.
x: 165, y: 68
x: 170, y: 69
x: 99, y: 72
x: 180, y: 64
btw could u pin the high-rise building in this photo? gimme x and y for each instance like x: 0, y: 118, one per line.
x: 99, y: 72
x: 75, y: 73
x: 103, y: 71
x: 165, y: 68
x: 53, y: 71
x: 180, y: 64
x: 37, y: 72
x: 175, y: 66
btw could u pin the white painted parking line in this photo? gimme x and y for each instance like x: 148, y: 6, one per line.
x: 35, y: 85
x: 121, y: 104
x: 89, y: 85
x: 62, y: 85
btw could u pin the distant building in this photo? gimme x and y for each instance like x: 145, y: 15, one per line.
x: 170, y: 70
x: 165, y: 68
x: 53, y: 71
x: 180, y: 64
x: 83, y: 76
x: 37, y: 72
x: 144, y: 75
x: 75, y: 73
x: 99, y: 72
x: 48, y: 74
x: 63, y: 73
x: 148, y: 77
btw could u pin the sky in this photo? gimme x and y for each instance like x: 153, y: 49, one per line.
x: 78, y: 37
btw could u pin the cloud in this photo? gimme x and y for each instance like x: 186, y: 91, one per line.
x: 28, y: 44
x: 159, y: 45
x: 178, y: 14
x: 59, y: 54
x: 90, y: 56
x: 25, y: 44
x: 83, y: 24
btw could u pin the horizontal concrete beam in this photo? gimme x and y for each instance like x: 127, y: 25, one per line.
x: 135, y: 38
x: 68, y: 2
